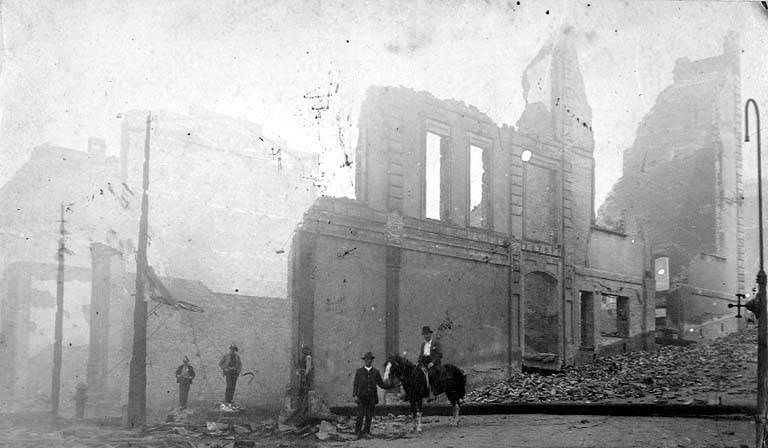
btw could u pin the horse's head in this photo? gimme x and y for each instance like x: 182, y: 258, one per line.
x: 394, y: 369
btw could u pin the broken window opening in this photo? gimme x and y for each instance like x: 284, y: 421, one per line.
x: 432, y: 179
x: 478, y: 213
x: 622, y: 316
x: 614, y: 316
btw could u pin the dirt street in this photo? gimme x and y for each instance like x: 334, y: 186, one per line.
x: 553, y: 431
x: 530, y: 431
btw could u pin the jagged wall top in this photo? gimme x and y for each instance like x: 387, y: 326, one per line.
x: 553, y: 89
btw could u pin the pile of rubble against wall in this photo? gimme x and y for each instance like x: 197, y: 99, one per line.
x: 673, y: 373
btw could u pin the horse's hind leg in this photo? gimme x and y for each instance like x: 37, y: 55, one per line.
x: 455, y: 414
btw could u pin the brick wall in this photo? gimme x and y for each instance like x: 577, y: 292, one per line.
x: 343, y: 284
x: 259, y: 326
x: 391, y: 150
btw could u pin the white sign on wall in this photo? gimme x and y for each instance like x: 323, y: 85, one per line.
x: 661, y: 266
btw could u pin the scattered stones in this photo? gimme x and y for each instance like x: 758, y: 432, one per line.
x: 668, y: 374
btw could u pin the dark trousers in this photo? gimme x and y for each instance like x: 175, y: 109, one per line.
x: 364, y: 412
x: 434, y: 374
x: 79, y: 408
x: 183, y: 393
x: 231, y: 383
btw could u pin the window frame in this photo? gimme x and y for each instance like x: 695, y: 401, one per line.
x: 443, y: 130
x: 486, y: 145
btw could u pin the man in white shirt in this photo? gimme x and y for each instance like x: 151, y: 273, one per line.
x: 430, y: 357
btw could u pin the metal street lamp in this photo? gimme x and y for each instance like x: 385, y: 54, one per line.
x: 758, y: 304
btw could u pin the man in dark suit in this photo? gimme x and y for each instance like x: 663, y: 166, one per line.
x: 184, y: 376
x: 366, y: 395
x: 430, y: 358
x: 230, y: 366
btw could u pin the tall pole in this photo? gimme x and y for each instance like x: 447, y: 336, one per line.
x: 137, y: 384
x: 761, y: 418
x: 56, y: 380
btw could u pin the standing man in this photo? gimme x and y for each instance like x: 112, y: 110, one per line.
x: 184, y: 376
x: 306, y: 370
x: 230, y: 366
x: 80, y: 398
x: 366, y: 395
x: 430, y: 358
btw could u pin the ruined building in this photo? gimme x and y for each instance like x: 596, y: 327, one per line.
x: 682, y: 179
x: 751, y: 233
x: 29, y: 234
x: 207, y: 172
x: 453, y: 228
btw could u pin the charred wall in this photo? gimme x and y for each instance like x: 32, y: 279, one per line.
x: 682, y: 180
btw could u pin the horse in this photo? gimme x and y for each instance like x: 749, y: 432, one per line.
x: 413, y: 378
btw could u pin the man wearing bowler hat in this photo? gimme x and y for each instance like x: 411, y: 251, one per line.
x: 230, y: 365
x: 430, y: 358
x: 184, y: 376
x: 366, y: 395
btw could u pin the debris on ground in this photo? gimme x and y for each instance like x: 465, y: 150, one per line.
x: 724, y: 365
x: 179, y: 415
x: 229, y: 407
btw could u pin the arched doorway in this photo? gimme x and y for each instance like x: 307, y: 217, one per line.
x: 541, y: 315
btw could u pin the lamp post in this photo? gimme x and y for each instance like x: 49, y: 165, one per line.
x: 525, y: 156
x: 758, y: 304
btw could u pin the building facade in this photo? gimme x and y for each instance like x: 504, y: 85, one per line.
x: 456, y: 228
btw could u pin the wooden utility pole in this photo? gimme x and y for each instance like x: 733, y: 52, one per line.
x: 760, y: 306
x: 56, y: 380
x: 137, y: 384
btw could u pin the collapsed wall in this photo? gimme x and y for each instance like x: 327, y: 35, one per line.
x: 682, y: 180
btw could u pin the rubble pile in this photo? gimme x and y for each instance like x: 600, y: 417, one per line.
x: 724, y: 365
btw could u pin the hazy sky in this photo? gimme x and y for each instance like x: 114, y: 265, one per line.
x: 72, y: 66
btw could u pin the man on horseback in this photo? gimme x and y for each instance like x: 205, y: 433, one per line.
x: 430, y: 360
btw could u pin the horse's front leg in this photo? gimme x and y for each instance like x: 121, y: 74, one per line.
x: 418, y: 415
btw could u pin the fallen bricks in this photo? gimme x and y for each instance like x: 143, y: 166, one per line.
x: 722, y: 366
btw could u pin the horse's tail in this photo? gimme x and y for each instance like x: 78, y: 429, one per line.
x: 457, y: 381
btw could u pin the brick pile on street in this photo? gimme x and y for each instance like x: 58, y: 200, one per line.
x: 672, y: 373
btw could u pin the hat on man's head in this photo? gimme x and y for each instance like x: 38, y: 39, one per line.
x: 306, y: 349
x: 233, y: 346
x: 426, y: 330
x: 368, y: 355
